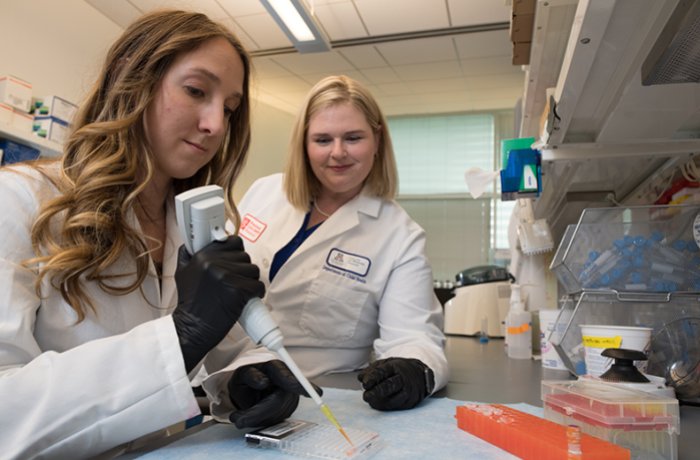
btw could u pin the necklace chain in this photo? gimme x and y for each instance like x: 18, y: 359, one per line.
x: 148, y: 215
x: 319, y: 210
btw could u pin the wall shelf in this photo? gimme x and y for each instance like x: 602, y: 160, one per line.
x: 46, y: 147
x: 609, y: 136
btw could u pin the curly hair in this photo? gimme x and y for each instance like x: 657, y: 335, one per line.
x: 106, y: 161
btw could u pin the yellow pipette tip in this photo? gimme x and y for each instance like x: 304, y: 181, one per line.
x: 329, y: 415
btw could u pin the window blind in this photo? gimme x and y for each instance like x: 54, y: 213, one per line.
x: 432, y: 154
x: 434, y: 151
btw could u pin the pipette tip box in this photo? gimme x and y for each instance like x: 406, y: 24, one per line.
x: 530, y: 437
x: 308, y: 439
x: 646, y: 424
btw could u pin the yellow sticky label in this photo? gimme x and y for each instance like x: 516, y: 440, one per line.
x: 602, y: 342
x: 519, y: 329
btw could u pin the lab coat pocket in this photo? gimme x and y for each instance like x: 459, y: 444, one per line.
x: 332, y: 311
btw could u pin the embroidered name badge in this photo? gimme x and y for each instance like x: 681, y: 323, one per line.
x: 251, y: 228
x: 358, y: 265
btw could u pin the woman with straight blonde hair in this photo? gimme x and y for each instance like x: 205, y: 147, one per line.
x: 344, y: 265
x: 102, y: 319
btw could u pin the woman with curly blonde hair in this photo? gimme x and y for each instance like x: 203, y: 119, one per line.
x: 102, y: 318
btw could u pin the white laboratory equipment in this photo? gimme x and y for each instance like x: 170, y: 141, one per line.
x: 472, y: 304
x: 482, y: 297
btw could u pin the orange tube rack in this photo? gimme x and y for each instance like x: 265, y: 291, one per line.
x: 528, y: 436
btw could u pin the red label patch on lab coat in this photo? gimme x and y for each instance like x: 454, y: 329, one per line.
x: 251, y: 228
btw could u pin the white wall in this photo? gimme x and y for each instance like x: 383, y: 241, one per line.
x: 271, y: 129
x: 59, y: 45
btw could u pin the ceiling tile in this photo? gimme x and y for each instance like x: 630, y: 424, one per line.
x: 314, y: 78
x: 209, y: 7
x: 395, y: 89
x: 381, y: 75
x: 438, y: 85
x: 396, y: 16
x: 489, y: 66
x: 236, y: 8
x: 121, y: 13
x: 457, y: 73
x: 484, y: 44
x: 445, y: 69
x: 340, y: 20
x: 511, y: 94
x: 418, y: 51
x: 495, y: 81
x: 303, y: 64
x: 283, y: 85
x: 493, y: 103
x: 264, y: 31
x: 363, y: 57
x: 475, y: 12
x: 266, y: 67
x: 245, y: 39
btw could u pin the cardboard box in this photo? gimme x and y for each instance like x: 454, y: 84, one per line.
x: 524, y: 6
x: 22, y: 121
x: 58, y: 108
x: 12, y: 152
x: 521, y: 28
x: 5, y: 114
x: 521, y: 53
x: 16, y: 93
x: 51, y: 128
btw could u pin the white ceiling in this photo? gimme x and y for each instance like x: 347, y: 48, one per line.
x: 453, y: 69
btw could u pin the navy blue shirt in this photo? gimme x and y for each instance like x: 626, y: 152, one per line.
x: 286, y: 252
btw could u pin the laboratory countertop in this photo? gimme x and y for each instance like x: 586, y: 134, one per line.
x: 481, y: 372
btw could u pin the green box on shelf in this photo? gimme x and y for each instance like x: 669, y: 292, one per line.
x: 514, y: 144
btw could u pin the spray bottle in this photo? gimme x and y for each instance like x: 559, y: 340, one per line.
x: 518, y: 327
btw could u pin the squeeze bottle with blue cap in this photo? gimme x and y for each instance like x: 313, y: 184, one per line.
x: 518, y: 327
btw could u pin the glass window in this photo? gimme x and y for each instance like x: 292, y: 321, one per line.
x: 432, y: 154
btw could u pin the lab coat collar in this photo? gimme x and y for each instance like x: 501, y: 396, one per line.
x: 370, y: 205
x: 163, y: 293
x: 346, y: 217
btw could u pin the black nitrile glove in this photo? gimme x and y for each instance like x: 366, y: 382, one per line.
x: 213, y: 287
x: 264, y: 394
x: 396, y: 383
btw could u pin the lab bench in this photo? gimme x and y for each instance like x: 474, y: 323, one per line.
x: 479, y: 372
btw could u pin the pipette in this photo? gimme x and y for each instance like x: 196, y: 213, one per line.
x: 258, y: 323
x: 201, y: 218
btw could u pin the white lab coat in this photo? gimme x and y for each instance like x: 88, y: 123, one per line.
x: 360, y: 284
x: 72, y: 390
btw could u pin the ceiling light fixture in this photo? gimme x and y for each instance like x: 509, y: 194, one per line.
x: 298, y: 24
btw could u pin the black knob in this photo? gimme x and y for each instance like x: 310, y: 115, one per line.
x: 623, y: 369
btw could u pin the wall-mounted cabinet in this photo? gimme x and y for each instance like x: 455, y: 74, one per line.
x: 605, y: 137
